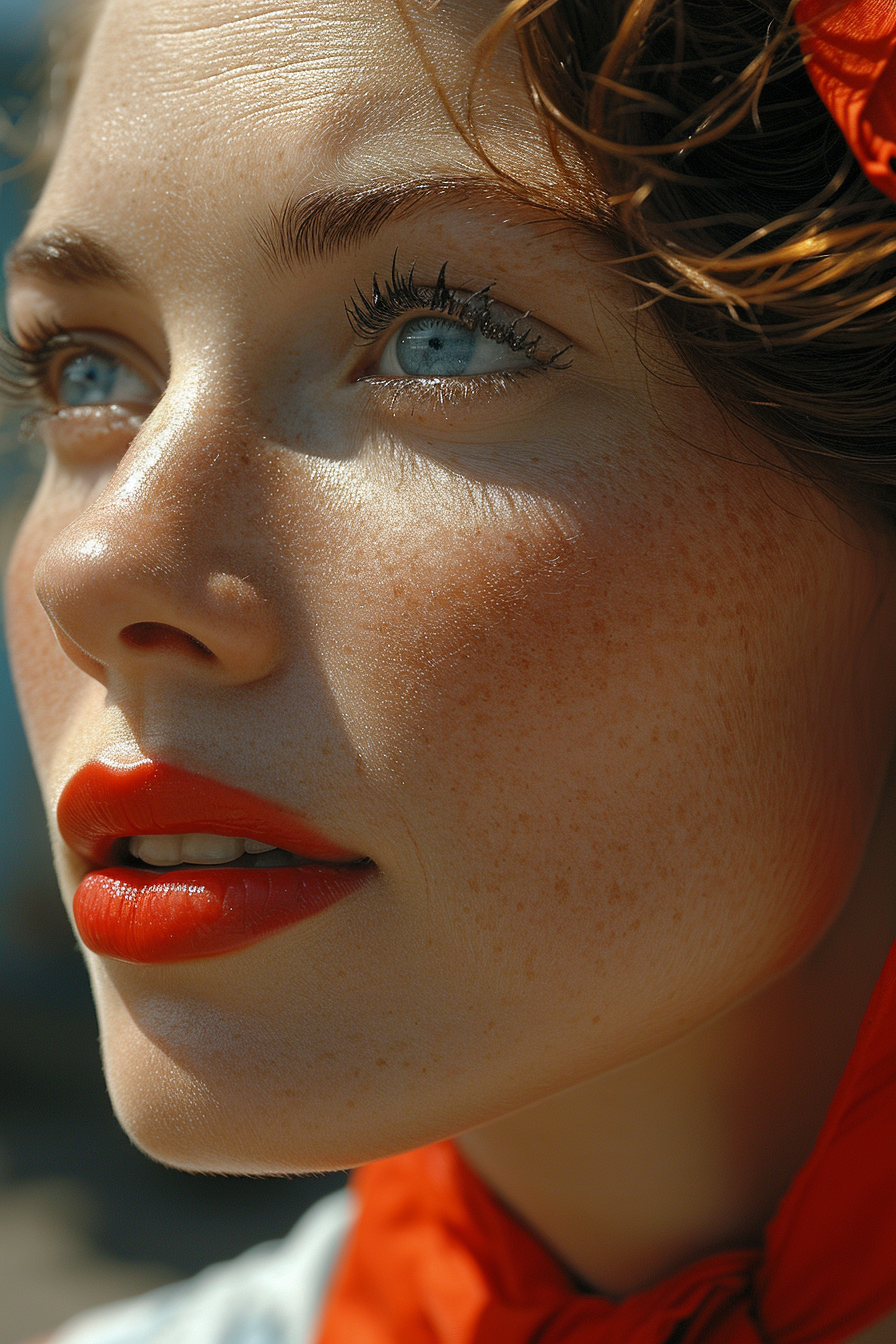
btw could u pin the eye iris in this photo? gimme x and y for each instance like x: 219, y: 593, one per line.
x: 433, y: 347
x: 88, y: 380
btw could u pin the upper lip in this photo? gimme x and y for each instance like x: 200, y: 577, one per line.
x: 105, y: 802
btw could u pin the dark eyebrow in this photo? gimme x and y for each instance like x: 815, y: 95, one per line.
x: 312, y: 227
x: 319, y: 225
x: 68, y: 255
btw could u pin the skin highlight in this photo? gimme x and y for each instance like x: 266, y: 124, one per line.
x: 605, y: 693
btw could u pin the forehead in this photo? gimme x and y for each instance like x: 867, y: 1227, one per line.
x: 206, y: 109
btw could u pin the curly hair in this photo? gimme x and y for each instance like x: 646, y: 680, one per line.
x: 769, y: 258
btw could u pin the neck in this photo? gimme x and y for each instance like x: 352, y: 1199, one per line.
x: 636, y: 1173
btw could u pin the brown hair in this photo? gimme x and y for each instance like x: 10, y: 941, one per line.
x: 768, y: 256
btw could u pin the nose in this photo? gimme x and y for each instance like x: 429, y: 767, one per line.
x: 160, y: 575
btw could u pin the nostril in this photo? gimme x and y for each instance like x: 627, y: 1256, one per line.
x: 163, y: 639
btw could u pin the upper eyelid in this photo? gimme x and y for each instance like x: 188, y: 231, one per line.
x: 111, y: 343
x: 372, y: 317
x: 25, y: 363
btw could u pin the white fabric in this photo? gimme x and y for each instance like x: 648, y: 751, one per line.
x: 269, y: 1295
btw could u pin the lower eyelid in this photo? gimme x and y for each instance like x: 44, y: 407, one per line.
x: 430, y: 400
x: 87, y: 435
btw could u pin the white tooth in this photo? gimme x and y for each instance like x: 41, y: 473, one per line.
x: 256, y: 847
x: 161, y: 850
x: 211, y: 848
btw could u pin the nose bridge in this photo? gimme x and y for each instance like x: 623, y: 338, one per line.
x: 165, y: 569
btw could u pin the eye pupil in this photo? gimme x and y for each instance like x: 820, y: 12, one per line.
x: 94, y: 378
x: 87, y: 380
x: 434, y: 347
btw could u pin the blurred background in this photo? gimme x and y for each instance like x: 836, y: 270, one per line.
x: 84, y: 1217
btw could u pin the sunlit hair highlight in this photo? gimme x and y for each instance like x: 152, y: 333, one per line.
x: 767, y: 255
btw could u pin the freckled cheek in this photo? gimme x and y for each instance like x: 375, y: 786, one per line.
x: 416, y: 627
x: 47, y: 683
x: 608, y: 721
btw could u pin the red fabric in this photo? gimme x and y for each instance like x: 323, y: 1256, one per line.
x: 434, y: 1259
x: 851, y: 50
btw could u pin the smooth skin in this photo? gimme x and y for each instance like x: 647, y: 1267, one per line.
x: 606, y: 694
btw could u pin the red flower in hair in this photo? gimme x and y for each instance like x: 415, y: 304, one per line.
x: 851, y: 48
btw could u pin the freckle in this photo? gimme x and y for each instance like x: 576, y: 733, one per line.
x: 381, y: 1063
x: 676, y: 915
x: 702, y: 618
x: 519, y: 905
x: 595, y: 1020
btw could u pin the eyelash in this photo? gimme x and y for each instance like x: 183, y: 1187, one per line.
x: 370, y: 317
x: 24, y: 368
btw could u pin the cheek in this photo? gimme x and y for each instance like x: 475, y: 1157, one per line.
x: 648, y: 737
x: 51, y: 690
x: 430, y: 590
x: 46, y: 682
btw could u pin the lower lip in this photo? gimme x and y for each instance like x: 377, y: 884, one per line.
x: 153, y: 918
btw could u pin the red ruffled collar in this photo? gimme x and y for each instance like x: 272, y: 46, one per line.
x: 434, y: 1259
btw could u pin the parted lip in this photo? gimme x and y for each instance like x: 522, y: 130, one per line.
x: 103, y: 803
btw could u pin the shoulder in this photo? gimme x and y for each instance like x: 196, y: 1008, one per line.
x: 270, y: 1295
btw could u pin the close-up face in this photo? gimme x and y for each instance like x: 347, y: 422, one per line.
x: 372, y: 491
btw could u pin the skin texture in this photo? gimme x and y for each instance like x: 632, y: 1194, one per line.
x: 606, y: 695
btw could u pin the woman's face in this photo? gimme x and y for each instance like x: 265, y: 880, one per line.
x: 606, y: 699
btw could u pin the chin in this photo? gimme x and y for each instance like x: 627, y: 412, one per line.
x: 208, y: 1099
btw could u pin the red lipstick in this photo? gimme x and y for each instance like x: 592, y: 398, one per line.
x: 140, y: 914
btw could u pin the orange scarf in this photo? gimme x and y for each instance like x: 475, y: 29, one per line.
x: 851, y: 51
x: 434, y: 1259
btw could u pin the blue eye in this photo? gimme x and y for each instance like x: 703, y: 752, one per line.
x: 95, y: 379
x: 431, y: 347
x: 440, y: 347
